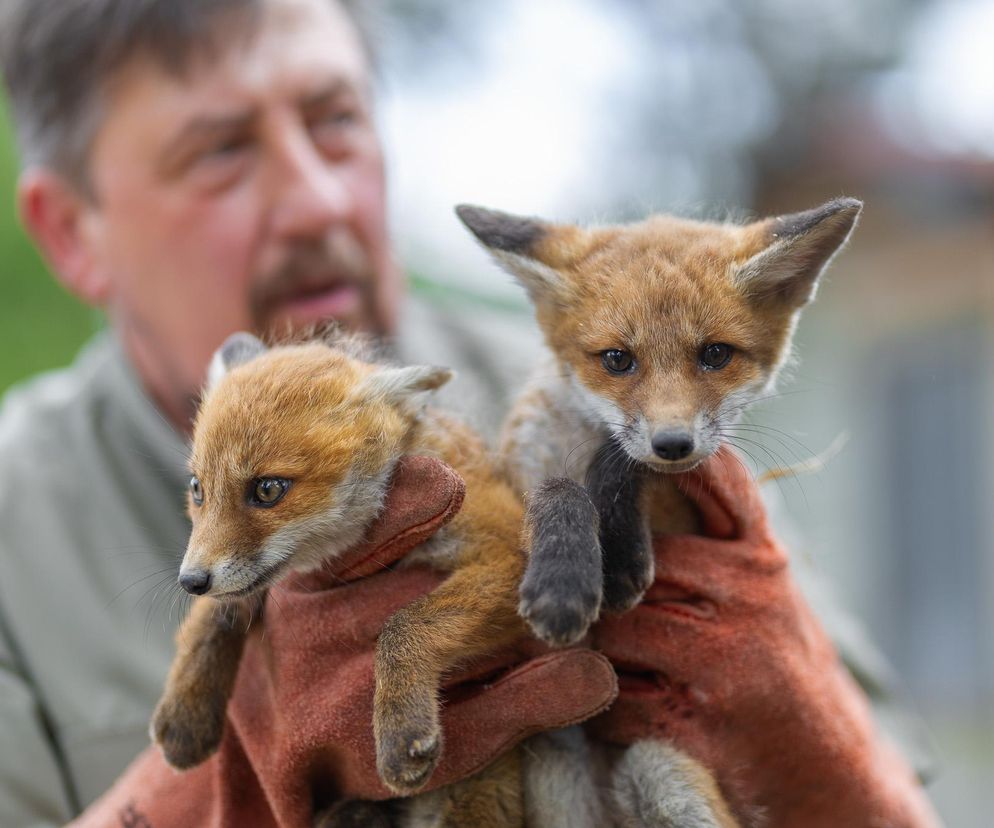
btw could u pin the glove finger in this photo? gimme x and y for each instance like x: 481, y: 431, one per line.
x: 423, y: 495
x: 726, y: 494
x: 299, y: 621
x: 693, y: 565
x: 549, y: 692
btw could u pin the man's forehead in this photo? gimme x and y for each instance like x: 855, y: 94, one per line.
x: 298, y: 48
x: 300, y: 38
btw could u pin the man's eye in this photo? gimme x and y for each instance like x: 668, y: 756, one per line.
x: 268, y: 491
x: 228, y: 147
x: 716, y: 355
x: 339, y: 118
x: 336, y: 133
x: 196, y: 491
x: 617, y: 361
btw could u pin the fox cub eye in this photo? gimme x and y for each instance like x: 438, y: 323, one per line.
x: 618, y: 362
x: 716, y: 355
x: 196, y: 491
x: 268, y: 491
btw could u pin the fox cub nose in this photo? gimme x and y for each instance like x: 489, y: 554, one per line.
x: 672, y: 445
x: 196, y: 581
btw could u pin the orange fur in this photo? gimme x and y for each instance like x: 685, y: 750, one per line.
x: 334, y: 427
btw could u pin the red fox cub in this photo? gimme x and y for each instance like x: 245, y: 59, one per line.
x: 659, y: 334
x: 292, y: 450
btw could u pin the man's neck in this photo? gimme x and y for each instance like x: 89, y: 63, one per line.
x: 162, y: 381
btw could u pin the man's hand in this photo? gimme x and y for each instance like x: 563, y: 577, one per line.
x: 299, y: 723
x: 724, y: 659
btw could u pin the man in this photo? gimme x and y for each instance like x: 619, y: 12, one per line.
x: 193, y: 167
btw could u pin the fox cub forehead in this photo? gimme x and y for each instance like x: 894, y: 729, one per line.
x: 284, y: 380
x: 773, y: 264
x: 666, y: 286
x: 301, y: 405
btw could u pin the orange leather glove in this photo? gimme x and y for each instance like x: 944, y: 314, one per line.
x: 299, y: 729
x: 725, y: 659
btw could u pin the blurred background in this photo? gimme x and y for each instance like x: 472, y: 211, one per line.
x: 604, y: 110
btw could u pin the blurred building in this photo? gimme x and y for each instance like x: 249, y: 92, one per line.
x: 898, y: 351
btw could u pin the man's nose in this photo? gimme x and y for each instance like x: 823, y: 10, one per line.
x: 312, y: 193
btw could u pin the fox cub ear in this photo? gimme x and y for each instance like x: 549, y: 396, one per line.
x: 397, y: 385
x: 516, y: 243
x: 501, y: 231
x: 798, y: 248
x: 237, y: 349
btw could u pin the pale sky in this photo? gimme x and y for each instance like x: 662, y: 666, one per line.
x: 526, y: 118
x: 518, y: 133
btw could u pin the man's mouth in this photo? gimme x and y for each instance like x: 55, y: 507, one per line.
x: 338, y: 300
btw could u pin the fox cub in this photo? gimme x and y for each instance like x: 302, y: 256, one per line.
x: 659, y: 335
x: 293, y: 447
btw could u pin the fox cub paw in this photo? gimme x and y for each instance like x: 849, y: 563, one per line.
x: 187, y: 733
x: 627, y: 578
x: 561, y: 590
x: 407, y: 749
x: 560, y: 610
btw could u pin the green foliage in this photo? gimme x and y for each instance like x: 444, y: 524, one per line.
x: 42, y: 326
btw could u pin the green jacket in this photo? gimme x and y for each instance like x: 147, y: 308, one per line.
x: 92, y: 530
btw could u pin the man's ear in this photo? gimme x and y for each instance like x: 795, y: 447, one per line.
x: 237, y: 349
x: 57, y: 217
x: 796, y: 250
x: 397, y: 385
x: 530, y: 249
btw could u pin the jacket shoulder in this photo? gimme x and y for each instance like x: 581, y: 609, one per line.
x: 41, y: 418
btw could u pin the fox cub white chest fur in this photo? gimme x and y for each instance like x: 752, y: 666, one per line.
x: 659, y: 334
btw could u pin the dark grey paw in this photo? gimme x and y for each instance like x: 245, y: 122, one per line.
x: 561, y: 590
x: 628, y: 578
x: 616, y: 491
x: 560, y: 611
x: 187, y: 733
x: 407, y: 753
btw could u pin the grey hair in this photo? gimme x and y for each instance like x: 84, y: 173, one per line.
x: 57, y: 57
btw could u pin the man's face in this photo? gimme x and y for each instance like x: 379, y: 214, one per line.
x: 247, y: 194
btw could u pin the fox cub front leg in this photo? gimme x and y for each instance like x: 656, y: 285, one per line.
x: 189, y: 719
x: 470, y: 614
x: 405, y: 705
x: 561, y: 591
x: 588, y: 547
x: 616, y: 485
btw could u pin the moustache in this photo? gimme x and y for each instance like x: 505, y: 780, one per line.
x: 311, y: 268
